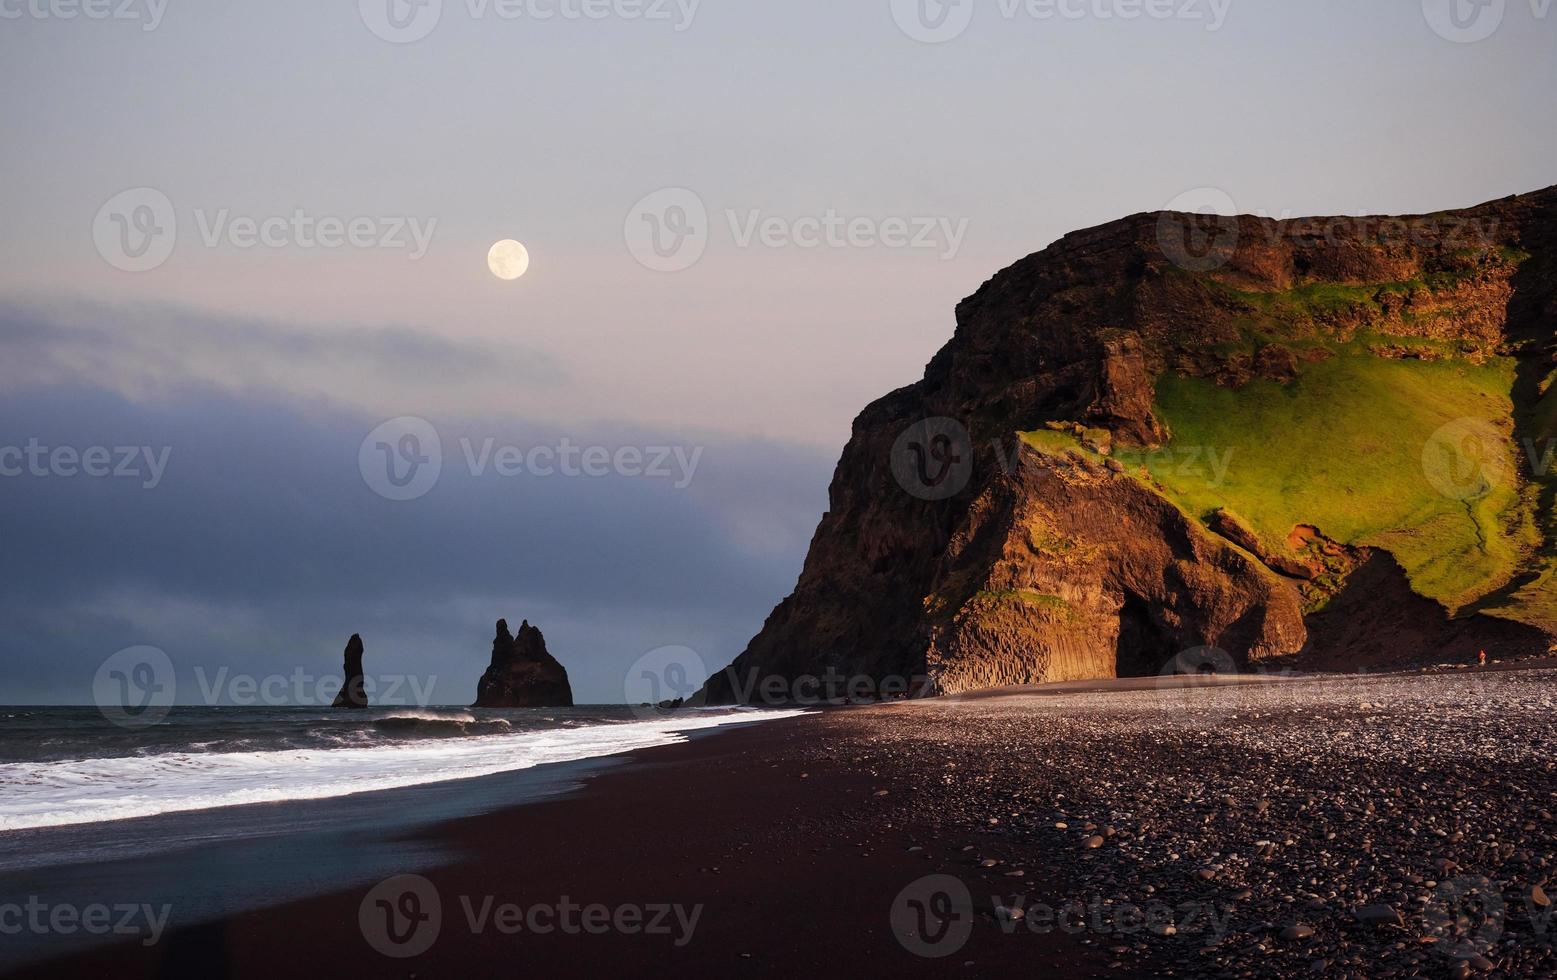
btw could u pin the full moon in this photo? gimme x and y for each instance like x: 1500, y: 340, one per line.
x: 508, y: 259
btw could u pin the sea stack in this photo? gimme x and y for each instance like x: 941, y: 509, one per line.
x: 523, y: 674
x: 353, y: 693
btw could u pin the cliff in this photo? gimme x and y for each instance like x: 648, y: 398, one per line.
x: 1179, y: 431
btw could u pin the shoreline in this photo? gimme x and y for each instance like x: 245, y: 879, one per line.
x: 769, y: 840
x: 1285, y: 828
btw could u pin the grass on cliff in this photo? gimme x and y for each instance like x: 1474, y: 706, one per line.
x: 1342, y: 448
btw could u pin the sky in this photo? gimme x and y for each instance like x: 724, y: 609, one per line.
x: 243, y: 238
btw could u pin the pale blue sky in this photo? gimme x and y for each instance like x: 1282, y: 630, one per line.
x: 549, y: 132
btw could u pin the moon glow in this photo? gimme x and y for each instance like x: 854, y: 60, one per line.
x: 508, y: 260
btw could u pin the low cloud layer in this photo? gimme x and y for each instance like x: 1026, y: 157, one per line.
x: 262, y: 545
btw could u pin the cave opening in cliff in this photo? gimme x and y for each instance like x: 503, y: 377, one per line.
x: 1142, y: 648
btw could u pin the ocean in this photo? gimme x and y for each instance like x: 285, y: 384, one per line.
x: 70, y: 766
x: 215, y: 812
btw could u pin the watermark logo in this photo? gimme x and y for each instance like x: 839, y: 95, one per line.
x: 1465, y: 915
x: 833, y: 230
x: 121, y: 921
x: 1198, y: 687
x: 830, y: 686
x: 400, y: 21
x: 403, y: 233
x: 1464, y: 21
x: 933, y: 916
x: 135, y: 230
x: 136, y: 687
x: 668, y: 230
x: 939, y: 21
x: 141, y: 463
x: 1198, y: 231
x: 401, y: 917
x: 405, y: 21
x: 148, y: 13
x: 572, y: 460
x: 1467, y: 459
x: 933, y: 459
x: 662, y: 678
x: 933, y: 21
x: 303, y: 688
x: 401, y: 459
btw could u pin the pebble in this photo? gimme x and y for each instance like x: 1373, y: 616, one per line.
x: 1379, y: 915
x: 1331, y: 865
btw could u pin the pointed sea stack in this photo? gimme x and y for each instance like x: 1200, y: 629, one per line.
x: 523, y: 674
x: 353, y: 693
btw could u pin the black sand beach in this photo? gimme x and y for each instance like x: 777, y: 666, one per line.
x: 1398, y: 825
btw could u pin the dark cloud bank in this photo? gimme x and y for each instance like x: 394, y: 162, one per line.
x: 262, y: 548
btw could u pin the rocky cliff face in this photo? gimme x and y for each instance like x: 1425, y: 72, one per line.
x: 353, y: 691
x: 1355, y: 386
x: 523, y: 674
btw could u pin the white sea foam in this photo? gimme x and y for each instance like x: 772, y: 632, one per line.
x: 57, y: 794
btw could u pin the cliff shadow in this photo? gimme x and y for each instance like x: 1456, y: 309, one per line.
x: 1531, y: 322
x: 1378, y: 622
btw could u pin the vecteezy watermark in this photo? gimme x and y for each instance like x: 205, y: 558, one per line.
x: 302, y: 688
x: 1100, y: 917
x: 669, y: 230
x: 136, y: 230
x: 1200, y: 231
x: 123, y: 920
x: 1467, y: 459
x: 141, y: 463
x: 1196, y: 687
x: 1208, y: 464
x: 1464, y: 21
x: 829, y: 686
x: 402, y: 459
x: 405, y: 21
x: 662, y: 679
x: 404, y: 916
x: 1112, y: 918
x: 933, y: 459
x: 1207, y: 684
x: 136, y: 687
x: 147, y: 13
x: 939, y: 21
x: 1470, y: 21
x: 933, y: 916
x: 1465, y: 915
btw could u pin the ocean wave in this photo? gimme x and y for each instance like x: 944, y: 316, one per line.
x: 412, y: 714
x: 62, y: 793
x: 419, y: 724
